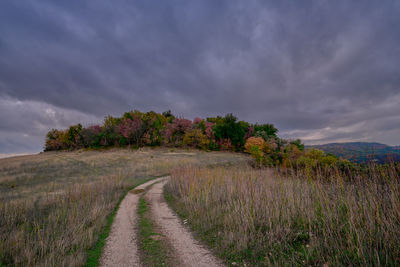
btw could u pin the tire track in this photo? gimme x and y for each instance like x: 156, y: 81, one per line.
x: 121, y: 247
x: 188, y: 251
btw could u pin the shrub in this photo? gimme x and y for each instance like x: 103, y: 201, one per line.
x: 257, y: 154
x: 316, y: 157
x: 293, y: 152
x: 195, y: 138
x: 225, y: 144
x: 254, y: 142
x: 271, y: 145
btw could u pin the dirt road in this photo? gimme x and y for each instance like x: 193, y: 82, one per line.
x: 188, y: 251
x: 121, y: 247
x: 122, y: 244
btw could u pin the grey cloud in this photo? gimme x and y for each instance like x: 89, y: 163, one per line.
x: 24, y: 124
x: 304, y: 66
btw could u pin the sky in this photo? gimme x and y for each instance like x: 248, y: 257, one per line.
x: 322, y: 71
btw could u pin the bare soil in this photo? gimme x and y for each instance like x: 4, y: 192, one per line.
x: 188, y: 251
x: 121, y: 245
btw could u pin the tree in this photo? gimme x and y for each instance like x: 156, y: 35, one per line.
x: 54, y: 140
x: 265, y: 131
x: 196, y: 138
x: 91, y: 136
x: 154, y: 129
x: 298, y: 144
x: 153, y: 124
x: 175, y: 131
x: 168, y: 114
x: 229, y: 128
x: 74, y: 139
x: 132, y: 130
x: 109, y: 132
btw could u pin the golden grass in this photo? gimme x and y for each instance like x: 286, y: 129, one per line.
x: 56, y: 230
x: 54, y: 205
x: 266, y: 217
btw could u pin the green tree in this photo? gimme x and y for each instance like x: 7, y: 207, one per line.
x: 298, y: 144
x: 109, y: 135
x: 229, y: 128
x: 265, y: 131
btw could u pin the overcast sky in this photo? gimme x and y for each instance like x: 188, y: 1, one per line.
x: 322, y: 71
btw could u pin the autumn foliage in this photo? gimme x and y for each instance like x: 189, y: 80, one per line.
x: 137, y: 129
x: 254, y: 142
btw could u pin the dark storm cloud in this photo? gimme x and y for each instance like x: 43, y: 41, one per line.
x: 24, y: 124
x: 320, y: 70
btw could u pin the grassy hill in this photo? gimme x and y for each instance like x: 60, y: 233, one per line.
x: 362, y: 151
x: 54, y: 205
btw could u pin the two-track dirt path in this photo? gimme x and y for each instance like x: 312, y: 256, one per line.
x: 122, y: 244
x: 121, y: 247
x: 188, y: 251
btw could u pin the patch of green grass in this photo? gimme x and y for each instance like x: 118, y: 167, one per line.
x: 95, y: 252
x: 153, y: 248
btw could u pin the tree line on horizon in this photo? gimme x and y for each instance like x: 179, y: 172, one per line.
x: 138, y: 129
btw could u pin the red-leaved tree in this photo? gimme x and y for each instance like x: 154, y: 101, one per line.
x: 132, y: 130
x: 175, y: 131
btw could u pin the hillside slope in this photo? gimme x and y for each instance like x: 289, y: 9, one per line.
x: 56, y: 205
x: 362, y: 151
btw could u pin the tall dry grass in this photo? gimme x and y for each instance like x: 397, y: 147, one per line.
x: 54, y: 205
x: 56, y: 229
x: 268, y: 217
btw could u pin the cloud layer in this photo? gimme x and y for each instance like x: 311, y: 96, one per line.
x: 319, y: 70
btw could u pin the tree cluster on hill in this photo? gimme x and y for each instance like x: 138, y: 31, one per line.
x: 139, y: 129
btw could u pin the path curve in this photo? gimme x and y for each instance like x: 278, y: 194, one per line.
x: 121, y: 247
x: 187, y: 250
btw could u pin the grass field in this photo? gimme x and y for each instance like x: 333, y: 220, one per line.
x: 54, y: 205
x: 269, y: 218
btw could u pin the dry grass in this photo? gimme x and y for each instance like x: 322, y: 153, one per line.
x: 54, y: 205
x: 56, y: 230
x: 27, y: 177
x: 264, y: 217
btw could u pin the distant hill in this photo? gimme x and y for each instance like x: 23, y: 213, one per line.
x: 362, y: 151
